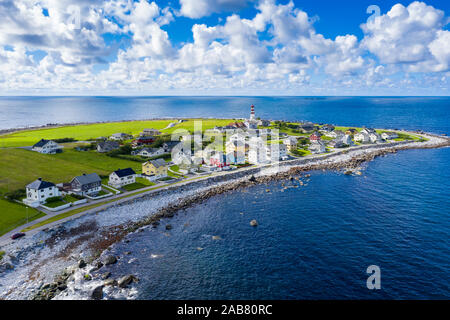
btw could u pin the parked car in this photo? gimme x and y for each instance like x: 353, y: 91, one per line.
x: 17, y: 235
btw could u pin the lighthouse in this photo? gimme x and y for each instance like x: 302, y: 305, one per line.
x: 252, y: 113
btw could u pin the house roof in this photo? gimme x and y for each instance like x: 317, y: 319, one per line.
x: 124, y: 172
x: 40, y: 184
x: 108, y: 143
x: 171, y: 144
x: 41, y: 143
x: 158, y: 163
x: 87, y: 178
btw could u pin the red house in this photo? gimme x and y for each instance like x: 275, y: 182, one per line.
x: 314, y: 137
x: 140, y: 141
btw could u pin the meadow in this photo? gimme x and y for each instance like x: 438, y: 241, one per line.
x: 14, y: 214
x: 92, y: 131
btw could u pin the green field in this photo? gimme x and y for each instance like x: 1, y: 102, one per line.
x: 13, y: 215
x: 19, y: 167
x: 92, y: 131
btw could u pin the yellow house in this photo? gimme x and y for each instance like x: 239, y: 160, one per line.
x: 157, y: 168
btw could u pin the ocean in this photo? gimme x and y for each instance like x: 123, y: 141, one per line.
x: 426, y: 113
x: 312, y: 242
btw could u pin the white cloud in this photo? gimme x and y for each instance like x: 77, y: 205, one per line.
x: 411, y: 36
x: 201, y: 8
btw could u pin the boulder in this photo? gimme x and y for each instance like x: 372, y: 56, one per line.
x: 169, y: 227
x: 106, y: 275
x: 81, y: 264
x: 253, y: 223
x: 109, y: 259
x: 97, y: 293
x: 126, y: 280
x: 110, y: 282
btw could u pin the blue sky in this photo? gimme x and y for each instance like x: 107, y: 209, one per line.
x: 224, y: 47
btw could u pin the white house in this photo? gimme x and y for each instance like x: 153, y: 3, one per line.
x: 120, y: 136
x: 151, y: 152
x: 317, y: 147
x: 39, y: 191
x: 347, y: 139
x: 122, y: 177
x: 362, y: 137
x: 375, y: 137
x: 47, y: 147
x: 389, y: 135
x: 275, y: 152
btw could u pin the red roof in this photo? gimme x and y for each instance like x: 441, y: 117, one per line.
x: 314, y: 137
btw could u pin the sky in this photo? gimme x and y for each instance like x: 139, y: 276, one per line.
x: 224, y: 47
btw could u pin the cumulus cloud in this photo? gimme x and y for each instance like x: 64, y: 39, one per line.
x: 411, y: 36
x: 277, y: 50
x: 201, y: 8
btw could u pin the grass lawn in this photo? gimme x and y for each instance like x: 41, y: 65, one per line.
x: 19, y: 167
x: 70, y: 198
x: 13, y: 215
x: 55, y: 204
x: 92, y: 131
x: 134, y: 186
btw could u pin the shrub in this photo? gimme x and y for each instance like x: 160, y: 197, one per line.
x: 63, y: 140
x: 18, y: 194
x: 53, y: 199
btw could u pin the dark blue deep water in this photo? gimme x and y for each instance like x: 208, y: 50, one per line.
x: 428, y: 113
x: 312, y: 242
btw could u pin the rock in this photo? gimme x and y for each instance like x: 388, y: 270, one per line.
x: 169, y: 227
x: 253, y: 223
x: 359, y: 173
x: 62, y: 287
x: 216, y: 238
x: 109, y: 259
x: 81, y: 264
x: 199, y: 248
x: 132, y: 260
x: 106, y: 275
x: 128, y: 253
x: 97, y: 293
x: 110, y: 282
x: 126, y: 280
x: 87, y: 277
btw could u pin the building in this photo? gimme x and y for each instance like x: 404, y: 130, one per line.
x: 389, y: 135
x: 307, y: 126
x: 120, y: 136
x: 39, y: 191
x: 264, y: 123
x: 252, y: 123
x: 122, y: 177
x: 107, y: 146
x: 291, y: 143
x: 150, y: 152
x: 169, y: 145
x: 47, y: 147
x: 347, y: 140
x: 86, y: 184
x: 375, y: 137
x: 218, y: 160
x: 155, y: 169
x: 150, y: 133
x: 315, y: 137
x: 317, y: 147
x: 236, y: 150
x: 257, y: 153
x: 327, y: 128
x: 237, y: 125
x: 276, y: 152
x: 362, y: 137
x: 142, y: 141
x: 351, y: 131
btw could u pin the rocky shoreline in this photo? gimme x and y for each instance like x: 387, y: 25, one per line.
x: 88, y: 269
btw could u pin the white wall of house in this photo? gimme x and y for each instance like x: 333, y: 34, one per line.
x: 116, y: 181
x: 49, y: 147
x: 41, y: 195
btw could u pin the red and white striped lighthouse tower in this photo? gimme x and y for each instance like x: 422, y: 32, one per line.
x: 252, y: 112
